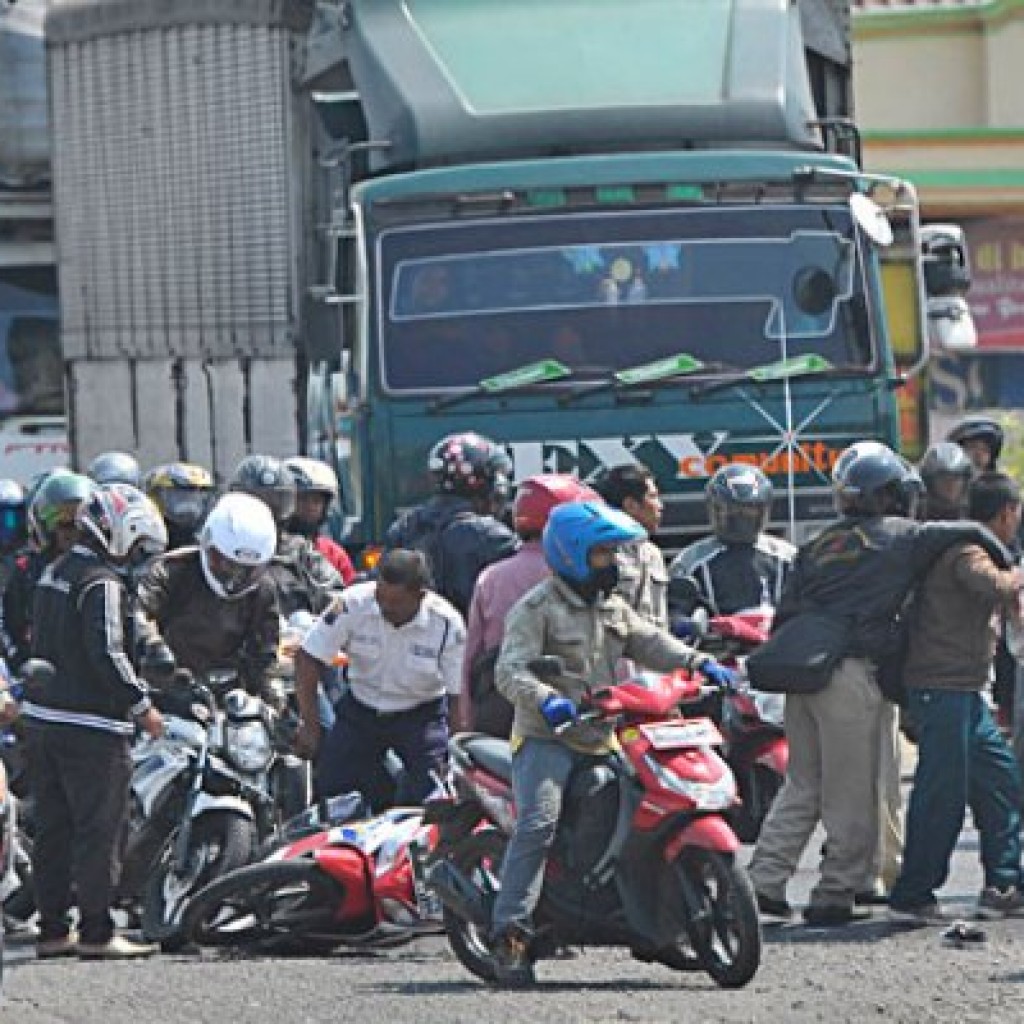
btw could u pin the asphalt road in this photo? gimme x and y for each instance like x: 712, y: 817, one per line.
x: 868, y: 971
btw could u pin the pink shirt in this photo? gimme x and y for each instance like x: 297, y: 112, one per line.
x: 497, y: 589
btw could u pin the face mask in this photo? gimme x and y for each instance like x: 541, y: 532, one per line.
x: 605, y: 580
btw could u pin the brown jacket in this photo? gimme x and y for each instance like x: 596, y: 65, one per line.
x: 954, y: 621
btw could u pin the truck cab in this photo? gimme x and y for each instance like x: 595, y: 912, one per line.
x: 599, y: 240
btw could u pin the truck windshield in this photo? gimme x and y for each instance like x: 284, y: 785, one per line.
x: 31, y: 372
x: 736, y: 286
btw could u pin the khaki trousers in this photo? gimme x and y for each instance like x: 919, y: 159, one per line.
x: 889, y: 861
x: 834, y: 777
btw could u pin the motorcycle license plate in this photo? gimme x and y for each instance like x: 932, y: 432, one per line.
x: 700, y: 732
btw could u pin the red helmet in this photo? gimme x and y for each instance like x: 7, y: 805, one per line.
x: 538, y: 495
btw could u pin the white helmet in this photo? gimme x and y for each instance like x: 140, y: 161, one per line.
x: 313, y: 476
x: 236, y: 544
x: 120, y: 517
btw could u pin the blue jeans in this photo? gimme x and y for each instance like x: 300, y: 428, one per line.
x: 540, y: 772
x: 962, y: 761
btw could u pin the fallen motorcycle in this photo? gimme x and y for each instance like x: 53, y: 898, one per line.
x: 356, y: 883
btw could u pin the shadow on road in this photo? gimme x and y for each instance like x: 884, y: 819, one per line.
x: 860, y: 933
x: 471, y: 986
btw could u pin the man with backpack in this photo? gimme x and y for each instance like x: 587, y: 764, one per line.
x: 455, y: 528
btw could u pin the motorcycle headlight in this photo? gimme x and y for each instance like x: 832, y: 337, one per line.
x: 247, y: 746
x: 706, y: 796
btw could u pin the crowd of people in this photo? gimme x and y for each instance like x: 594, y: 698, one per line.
x: 121, y: 579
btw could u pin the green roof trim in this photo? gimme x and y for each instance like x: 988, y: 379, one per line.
x: 878, y: 21
x: 947, y: 135
x: 963, y: 179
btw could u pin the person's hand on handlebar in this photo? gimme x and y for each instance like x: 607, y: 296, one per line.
x: 715, y: 672
x: 558, y: 710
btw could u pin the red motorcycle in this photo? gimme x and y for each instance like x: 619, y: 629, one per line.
x: 756, y: 747
x: 357, y: 883
x: 643, y: 856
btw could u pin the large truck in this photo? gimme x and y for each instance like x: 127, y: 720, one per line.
x: 32, y: 430
x: 596, y: 232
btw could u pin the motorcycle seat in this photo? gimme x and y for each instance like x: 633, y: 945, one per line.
x: 491, y: 754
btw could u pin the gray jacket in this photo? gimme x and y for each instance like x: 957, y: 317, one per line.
x: 554, y: 619
x: 643, y: 581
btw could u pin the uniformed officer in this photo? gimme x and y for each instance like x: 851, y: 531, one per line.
x: 405, y: 646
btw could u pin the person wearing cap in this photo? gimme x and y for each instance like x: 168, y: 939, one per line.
x: 497, y: 589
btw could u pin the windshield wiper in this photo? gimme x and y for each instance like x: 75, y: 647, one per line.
x: 661, y: 371
x: 519, y: 379
x: 810, y: 365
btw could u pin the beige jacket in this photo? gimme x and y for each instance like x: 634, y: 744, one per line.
x: 954, y: 622
x: 553, y: 619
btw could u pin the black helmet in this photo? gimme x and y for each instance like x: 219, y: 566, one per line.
x: 13, y: 529
x: 870, y: 479
x: 183, y: 492
x: 115, y: 468
x: 946, y: 471
x: 979, y: 428
x: 739, y: 500
x: 268, y: 479
x: 469, y: 465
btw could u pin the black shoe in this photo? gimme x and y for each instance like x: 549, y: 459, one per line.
x: 833, y: 915
x: 773, y: 908
x: 512, y: 965
x: 871, y: 898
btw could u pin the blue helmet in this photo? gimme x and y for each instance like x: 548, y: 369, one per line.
x: 576, y: 527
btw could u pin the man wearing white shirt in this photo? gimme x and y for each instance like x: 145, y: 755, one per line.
x: 405, y: 646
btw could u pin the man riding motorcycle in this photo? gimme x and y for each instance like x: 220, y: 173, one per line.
x: 741, y: 566
x: 576, y: 615
x: 303, y: 579
x: 213, y: 606
x: 183, y: 492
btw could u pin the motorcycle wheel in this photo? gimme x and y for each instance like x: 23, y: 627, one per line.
x: 722, y: 924
x: 270, y: 905
x: 479, y: 856
x: 748, y: 818
x: 220, y: 842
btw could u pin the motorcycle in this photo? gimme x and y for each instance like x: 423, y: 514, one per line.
x: 643, y: 855
x: 756, y: 748
x: 203, y: 796
x: 332, y: 882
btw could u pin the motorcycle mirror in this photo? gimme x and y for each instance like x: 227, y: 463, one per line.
x: 548, y: 666
x: 37, y: 671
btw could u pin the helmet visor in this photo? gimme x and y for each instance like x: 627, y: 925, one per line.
x: 738, y: 524
x: 235, y: 577
x: 184, y: 507
x: 12, y: 525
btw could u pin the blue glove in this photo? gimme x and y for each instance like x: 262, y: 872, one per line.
x: 718, y: 674
x: 557, y: 710
x: 684, y: 628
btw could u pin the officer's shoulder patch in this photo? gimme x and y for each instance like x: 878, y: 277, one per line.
x: 334, y: 609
